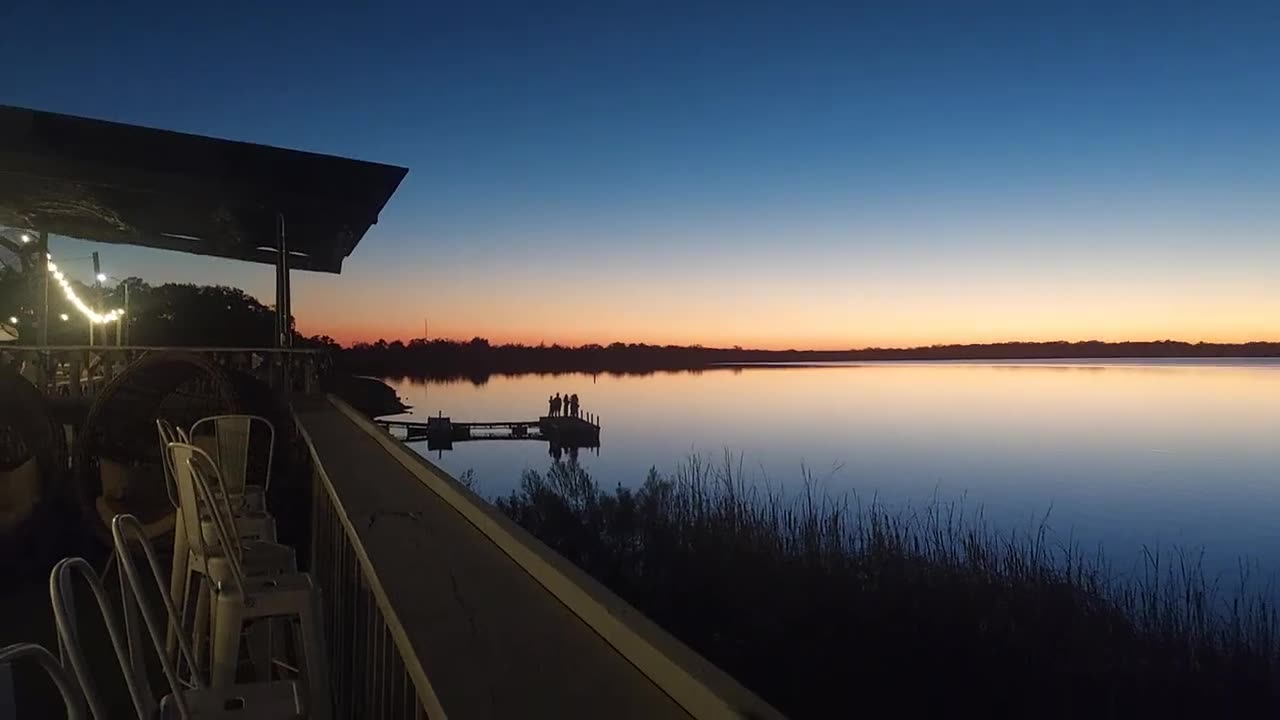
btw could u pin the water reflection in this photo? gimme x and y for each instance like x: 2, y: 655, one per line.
x: 1120, y: 453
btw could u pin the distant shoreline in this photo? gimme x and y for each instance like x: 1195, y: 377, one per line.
x: 1189, y: 361
x: 477, y: 360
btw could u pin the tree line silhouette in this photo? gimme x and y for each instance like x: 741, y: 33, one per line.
x: 172, y: 314
x: 218, y: 316
x: 478, y: 358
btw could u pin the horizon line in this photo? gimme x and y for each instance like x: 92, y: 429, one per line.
x: 871, y: 348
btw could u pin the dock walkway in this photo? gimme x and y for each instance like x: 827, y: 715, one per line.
x: 441, y: 432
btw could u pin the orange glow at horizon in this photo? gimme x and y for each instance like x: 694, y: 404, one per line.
x: 832, y: 298
x: 829, y: 323
x: 957, y: 331
x: 349, y: 338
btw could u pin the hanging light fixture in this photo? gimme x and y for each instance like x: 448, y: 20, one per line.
x: 92, y: 315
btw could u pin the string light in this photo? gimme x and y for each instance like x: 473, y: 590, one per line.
x: 92, y: 315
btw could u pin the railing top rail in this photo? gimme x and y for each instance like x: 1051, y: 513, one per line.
x: 166, y: 348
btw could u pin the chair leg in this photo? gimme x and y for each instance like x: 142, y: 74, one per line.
x: 183, y: 623
x: 228, y: 622
x: 319, y: 699
x: 293, y: 633
x: 178, y: 584
x: 260, y: 648
x: 201, y: 624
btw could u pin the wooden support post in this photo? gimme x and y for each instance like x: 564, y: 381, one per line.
x: 74, y: 368
x: 42, y: 304
x: 45, y: 370
x: 284, y: 333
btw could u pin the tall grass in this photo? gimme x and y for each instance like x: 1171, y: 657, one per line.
x: 831, y: 606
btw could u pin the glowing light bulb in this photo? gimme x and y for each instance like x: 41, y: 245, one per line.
x: 92, y: 315
x: 65, y: 317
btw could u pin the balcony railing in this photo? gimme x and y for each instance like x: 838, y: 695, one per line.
x: 435, y: 600
x: 81, y: 371
x: 375, y: 673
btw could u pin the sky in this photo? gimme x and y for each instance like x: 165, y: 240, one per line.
x: 760, y: 174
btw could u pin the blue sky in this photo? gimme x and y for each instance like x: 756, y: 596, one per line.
x: 782, y: 174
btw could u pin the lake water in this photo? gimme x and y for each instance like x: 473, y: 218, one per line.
x: 1124, y: 453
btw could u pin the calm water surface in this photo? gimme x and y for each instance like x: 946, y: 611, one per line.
x: 1123, y: 453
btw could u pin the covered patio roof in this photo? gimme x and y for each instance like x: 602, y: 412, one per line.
x: 117, y: 183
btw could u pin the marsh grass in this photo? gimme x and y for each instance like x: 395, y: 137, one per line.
x: 834, y: 606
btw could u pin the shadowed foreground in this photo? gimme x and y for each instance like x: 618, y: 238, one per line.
x: 825, y: 606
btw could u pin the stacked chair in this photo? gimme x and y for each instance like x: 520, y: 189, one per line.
x: 70, y: 694
x: 202, y: 560
x: 230, y: 436
x: 247, y: 581
x: 231, y: 589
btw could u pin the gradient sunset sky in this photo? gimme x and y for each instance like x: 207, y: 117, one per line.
x: 771, y: 175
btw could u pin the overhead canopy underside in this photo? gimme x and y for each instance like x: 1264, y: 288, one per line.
x: 117, y: 183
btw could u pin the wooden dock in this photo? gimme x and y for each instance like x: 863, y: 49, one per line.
x: 441, y: 432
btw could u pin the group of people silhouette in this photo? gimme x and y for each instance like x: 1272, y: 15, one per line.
x: 558, y: 453
x: 566, y: 406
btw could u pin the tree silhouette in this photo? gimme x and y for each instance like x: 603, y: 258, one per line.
x: 195, y: 315
x: 162, y: 315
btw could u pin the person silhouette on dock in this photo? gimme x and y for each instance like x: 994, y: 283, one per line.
x: 555, y: 405
x: 573, y: 405
x: 551, y: 406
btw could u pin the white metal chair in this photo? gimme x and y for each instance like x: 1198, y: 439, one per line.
x: 251, y: 524
x: 61, y: 593
x: 232, y: 435
x: 256, y: 526
x: 70, y: 694
x: 266, y: 700
x: 208, y: 564
x: 240, y: 599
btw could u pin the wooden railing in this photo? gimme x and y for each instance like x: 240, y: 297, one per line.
x: 81, y: 371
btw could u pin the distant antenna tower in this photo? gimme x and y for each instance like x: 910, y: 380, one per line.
x: 425, y: 335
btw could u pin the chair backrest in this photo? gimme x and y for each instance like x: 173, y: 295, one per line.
x: 232, y: 435
x: 61, y: 593
x: 188, y: 499
x: 183, y: 456
x: 123, y: 529
x: 169, y: 434
x: 200, y: 485
x: 67, y: 689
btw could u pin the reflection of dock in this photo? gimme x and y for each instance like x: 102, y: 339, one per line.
x: 441, y: 432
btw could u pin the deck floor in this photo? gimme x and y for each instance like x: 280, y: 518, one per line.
x: 494, y: 642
